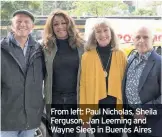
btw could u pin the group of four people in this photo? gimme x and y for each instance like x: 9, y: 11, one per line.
x: 74, y: 72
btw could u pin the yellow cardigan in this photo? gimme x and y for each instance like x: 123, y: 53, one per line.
x: 93, y: 84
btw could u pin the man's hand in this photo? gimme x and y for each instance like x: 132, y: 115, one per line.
x: 139, y: 116
x: 86, y: 125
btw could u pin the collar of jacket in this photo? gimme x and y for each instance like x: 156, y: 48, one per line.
x: 31, y: 41
x: 5, y: 42
x: 52, y: 53
x: 35, y: 46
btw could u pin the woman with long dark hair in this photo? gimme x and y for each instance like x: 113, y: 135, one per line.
x: 63, y: 48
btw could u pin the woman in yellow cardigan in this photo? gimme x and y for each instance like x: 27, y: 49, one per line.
x: 102, y: 69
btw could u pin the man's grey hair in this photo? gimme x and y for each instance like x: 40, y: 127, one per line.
x: 142, y: 26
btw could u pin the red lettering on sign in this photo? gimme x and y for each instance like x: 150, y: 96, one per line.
x: 155, y: 38
x: 120, y: 36
x: 160, y: 37
x: 127, y: 38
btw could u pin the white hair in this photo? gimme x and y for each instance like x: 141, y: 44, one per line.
x: 91, y: 24
x: 143, y: 26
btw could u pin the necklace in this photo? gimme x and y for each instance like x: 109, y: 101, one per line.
x: 104, y: 69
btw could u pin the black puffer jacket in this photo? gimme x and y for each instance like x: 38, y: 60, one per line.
x: 21, y: 92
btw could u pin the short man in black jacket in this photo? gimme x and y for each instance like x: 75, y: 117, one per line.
x: 22, y: 74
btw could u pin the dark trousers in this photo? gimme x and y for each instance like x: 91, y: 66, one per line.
x: 139, y: 135
x: 65, y: 102
x: 107, y: 102
x: 135, y: 134
x: 104, y: 126
x: 132, y: 126
x: 63, y: 126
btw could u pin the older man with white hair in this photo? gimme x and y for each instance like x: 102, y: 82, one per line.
x: 142, y: 85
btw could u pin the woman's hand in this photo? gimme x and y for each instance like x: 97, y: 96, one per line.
x: 86, y: 125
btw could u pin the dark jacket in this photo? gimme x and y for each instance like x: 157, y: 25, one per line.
x: 150, y: 90
x: 21, y: 92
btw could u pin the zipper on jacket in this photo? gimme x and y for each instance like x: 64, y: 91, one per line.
x: 35, y: 52
x: 27, y: 125
x: 33, y: 73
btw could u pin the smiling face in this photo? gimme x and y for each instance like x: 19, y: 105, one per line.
x: 60, y: 27
x: 143, y: 40
x: 22, y: 25
x: 102, y: 35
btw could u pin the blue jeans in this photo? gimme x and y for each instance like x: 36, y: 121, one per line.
x: 22, y: 133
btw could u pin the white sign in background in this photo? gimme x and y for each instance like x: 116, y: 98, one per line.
x: 124, y: 28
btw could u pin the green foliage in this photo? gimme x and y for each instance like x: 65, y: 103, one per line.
x: 149, y: 11
x: 76, y: 8
x: 98, y: 8
x: 36, y: 7
x: 144, y: 12
x: 8, y: 7
x: 156, y: 3
x: 49, y: 6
